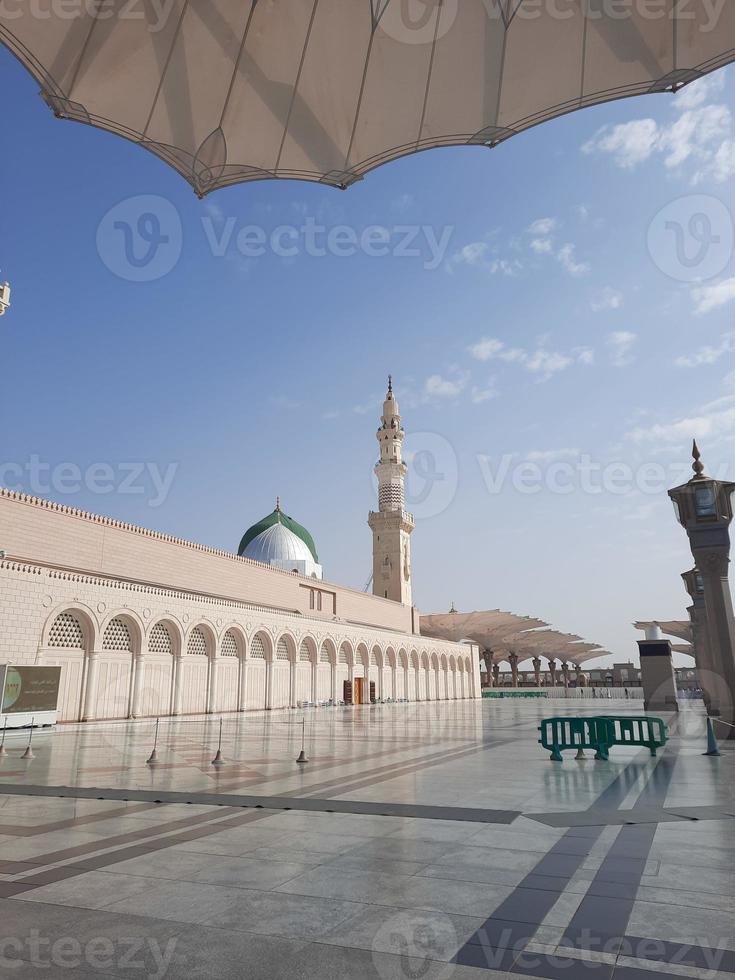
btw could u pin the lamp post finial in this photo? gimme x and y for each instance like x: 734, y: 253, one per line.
x: 697, y: 465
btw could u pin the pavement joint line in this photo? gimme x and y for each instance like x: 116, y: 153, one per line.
x: 235, y: 801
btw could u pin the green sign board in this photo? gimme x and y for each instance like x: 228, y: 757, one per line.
x: 30, y: 689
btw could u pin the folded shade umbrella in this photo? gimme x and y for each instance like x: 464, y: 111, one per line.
x: 325, y: 90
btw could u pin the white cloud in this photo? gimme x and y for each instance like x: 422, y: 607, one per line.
x: 585, y: 355
x: 566, y: 257
x: 698, y: 92
x: 629, y: 143
x: 723, y: 163
x: 472, y: 254
x: 480, y: 255
x: 437, y: 386
x: 606, y: 299
x: 715, y: 423
x: 701, y: 133
x: 620, y: 344
x: 486, y: 349
x: 708, y: 354
x: 708, y: 298
x: 542, y: 362
x: 547, y: 363
x: 542, y: 227
x: 480, y: 395
x: 542, y: 246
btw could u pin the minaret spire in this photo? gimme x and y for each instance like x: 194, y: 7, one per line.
x: 391, y: 525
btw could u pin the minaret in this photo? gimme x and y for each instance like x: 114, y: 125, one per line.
x: 391, y: 525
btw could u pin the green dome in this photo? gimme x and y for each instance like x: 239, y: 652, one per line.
x: 278, y: 517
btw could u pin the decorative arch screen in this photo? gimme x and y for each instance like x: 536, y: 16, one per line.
x: 229, y: 644
x: 197, y: 644
x: 66, y: 632
x: 160, y: 640
x: 117, y: 636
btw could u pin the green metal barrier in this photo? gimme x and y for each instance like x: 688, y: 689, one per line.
x: 601, y: 733
x: 558, y: 734
x: 636, y: 730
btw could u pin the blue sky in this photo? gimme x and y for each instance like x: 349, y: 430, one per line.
x: 558, y: 331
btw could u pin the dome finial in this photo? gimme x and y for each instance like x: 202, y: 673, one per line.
x: 390, y: 384
x: 697, y: 466
x: 278, y: 509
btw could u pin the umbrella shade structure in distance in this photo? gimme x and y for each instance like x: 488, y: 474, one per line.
x: 227, y: 91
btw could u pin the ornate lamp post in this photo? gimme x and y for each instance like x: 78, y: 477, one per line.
x: 707, y: 669
x: 703, y: 507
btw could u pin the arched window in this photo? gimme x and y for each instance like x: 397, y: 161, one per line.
x: 117, y: 636
x: 257, y: 648
x: 229, y: 644
x: 304, y: 651
x: 160, y: 640
x: 282, y: 649
x: 324, y: 654
x: 197, y: 645
x: 66, y: 632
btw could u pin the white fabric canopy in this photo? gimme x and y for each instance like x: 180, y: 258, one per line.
x: 325, y: 90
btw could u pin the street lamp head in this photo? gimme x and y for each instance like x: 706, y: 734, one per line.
x: 702, y: 501
x: 694, y: 583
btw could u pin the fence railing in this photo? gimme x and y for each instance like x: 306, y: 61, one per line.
x: 570, y: 693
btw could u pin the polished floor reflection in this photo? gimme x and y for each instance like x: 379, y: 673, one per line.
x: 419, y: 841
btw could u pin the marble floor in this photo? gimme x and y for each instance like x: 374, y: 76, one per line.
x: 419, y: 842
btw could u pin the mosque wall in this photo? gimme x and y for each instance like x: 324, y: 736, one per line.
x: 139, y: 646
x: 52, y: 534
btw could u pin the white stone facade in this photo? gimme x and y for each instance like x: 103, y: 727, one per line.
x: 149, y: 644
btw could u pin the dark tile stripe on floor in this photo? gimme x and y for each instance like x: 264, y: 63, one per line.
x: 602, y: 917
x: 504, y: 935
x: 273, y: 803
